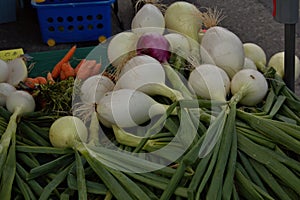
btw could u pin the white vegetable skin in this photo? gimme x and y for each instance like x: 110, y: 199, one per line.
x: 249, y: 64
x: 179, y: 44
x: 94, y: 88
x: 5, y: 90
x: 137, y: 61
x: 66, y: 131
x: 185, y: 18
x: 209, y: 82
x: 17, y: 71
x: 147, y: 76
x: 4, y: 71
x: 140, y: 75
x: 120, y: 47
x: 255, y: 53
x: 223, y: 48
x: 277, y: 62
x: 127, y: 108
x: 251, y: 84
x: 21, y: 99
x: 148, y: 19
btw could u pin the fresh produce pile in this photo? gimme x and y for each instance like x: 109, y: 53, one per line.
x: 184, y: 110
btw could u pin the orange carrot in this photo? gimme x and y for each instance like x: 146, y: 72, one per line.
x: 56, y: 71
x: 68, y: 70
x: 50, y: 78
x: 69, y: 54
x: 62, y: 75
x: 57, y: 68
x: 41, y: 80
x: 31, y: 82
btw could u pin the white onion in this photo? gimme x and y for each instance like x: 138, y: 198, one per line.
x: 137, y: 61
x: 251, y: 85
x: 5, y: 90
x: 179, y: 44
x: 185, y: 18
x: 140, y: 75
x: 255, y: 53
x: 127, y: 108
x: 94, y: 88
x: 120, y: 47
x: 277, y: 62
x: 17, y: 71
x: 4, y: 71
x: 67, y: 131
x: 148, y: 78
x: 223, y: 48
x: 249, y: 64
x: 209, y: 82
x: 148, y: 19
x: 20, y: 99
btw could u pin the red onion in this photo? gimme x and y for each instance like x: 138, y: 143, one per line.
x: 154, y: 45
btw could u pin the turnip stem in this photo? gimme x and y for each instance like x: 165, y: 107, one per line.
x: 161, y: 89
x: 7, y: 136
x: 239, y: 95
x: 177, y: 82
x: 8, y: 155
x: 94, y: 129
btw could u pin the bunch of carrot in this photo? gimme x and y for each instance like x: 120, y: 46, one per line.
x: 63, y: 70
x: 83, y: 70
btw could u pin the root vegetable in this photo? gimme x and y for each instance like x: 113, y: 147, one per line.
x: 5, y: 90
x: 94, y: 88
x: 154, y: 45
x: 17, y: 71
x: 249, y: 64
x: 148, y: 78
x: 249, y: 86
x: 223, y: 48
x: 210, y: 82
x: 185, y: 18
x: 127, y: 108
x: 120, y: 47
x: 255, y: 53
x: 277, y: 62
x: 148, y: 19
x: 66, y: 131
x: 18, y: 102
x: 4, y: 71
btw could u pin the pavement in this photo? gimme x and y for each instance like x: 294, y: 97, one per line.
x: 250, y: 20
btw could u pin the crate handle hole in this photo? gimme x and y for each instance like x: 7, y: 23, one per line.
x: 99, y: 17
x: 89, y: 17
x: 50, y: 19
x: 71, y: 28
x: 99, y: 26
x: 61, y: 28
x: 70, y: 19
x: 60, y: 19
x: 51, y: 29
x: 80, y: 27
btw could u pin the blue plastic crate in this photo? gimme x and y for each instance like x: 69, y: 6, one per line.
x: 74, y: 20
x: 66, y: 1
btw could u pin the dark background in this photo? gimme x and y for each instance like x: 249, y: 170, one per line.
x: 250, y: 20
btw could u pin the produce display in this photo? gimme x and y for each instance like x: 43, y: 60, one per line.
x: 183, y: 109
